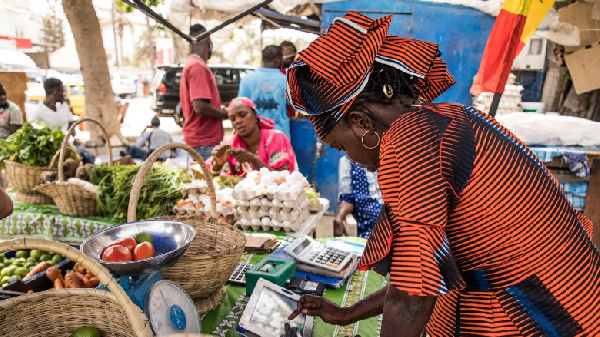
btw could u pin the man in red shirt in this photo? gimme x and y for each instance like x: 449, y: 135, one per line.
x: 200, y: 100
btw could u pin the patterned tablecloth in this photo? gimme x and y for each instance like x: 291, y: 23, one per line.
x: 224, y: 320
x: 45, y: 221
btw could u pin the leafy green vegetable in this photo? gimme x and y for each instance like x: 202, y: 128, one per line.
x: 34, y: 144
x: 160, y: 192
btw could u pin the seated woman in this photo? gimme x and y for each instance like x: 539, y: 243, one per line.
x: 255, y: 144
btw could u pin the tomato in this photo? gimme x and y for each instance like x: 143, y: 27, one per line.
x: 117, y: 253
x: 128, y: 243
x: 143, y: 251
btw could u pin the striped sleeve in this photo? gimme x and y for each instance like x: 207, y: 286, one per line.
x: 420, y: 176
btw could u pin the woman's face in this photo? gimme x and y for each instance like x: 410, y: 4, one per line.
x: 347, y: 136
x: 243, y: 119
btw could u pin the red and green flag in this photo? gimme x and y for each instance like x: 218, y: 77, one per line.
x: 515, y: 24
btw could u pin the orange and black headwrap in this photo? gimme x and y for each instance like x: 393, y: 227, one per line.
x: 327, y: 76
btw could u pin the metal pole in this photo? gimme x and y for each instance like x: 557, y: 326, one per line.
x: 495, y: 103
x: 233, y: 19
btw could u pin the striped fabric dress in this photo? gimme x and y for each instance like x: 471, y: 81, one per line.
x: 474, y: 218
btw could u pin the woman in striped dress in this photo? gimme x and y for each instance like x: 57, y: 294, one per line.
x: 476, y: 234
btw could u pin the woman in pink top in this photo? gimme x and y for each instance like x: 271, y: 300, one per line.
x: 255, y: 144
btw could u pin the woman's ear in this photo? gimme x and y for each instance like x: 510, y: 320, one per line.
x: 359, y: 121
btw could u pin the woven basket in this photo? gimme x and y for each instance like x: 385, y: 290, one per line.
x: 60, y: 312
x: 215, y: 251
x: 24, y: 178
x: 33, y: 198
x: 71, y: 199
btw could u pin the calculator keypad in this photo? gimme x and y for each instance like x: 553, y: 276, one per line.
x: 329, y: 256
x: 239, y: 275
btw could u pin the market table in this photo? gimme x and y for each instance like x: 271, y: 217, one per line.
x: 45, y: 221
x: 223, y: 320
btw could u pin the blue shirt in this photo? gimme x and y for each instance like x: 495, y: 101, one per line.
x: 266, y: 88
x: 359, y: 187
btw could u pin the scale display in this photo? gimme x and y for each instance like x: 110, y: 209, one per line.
x: 171, y: 310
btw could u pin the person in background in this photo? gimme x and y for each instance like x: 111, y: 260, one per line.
x: 11, y: 118
x: 200, y: 100
x: 53, y: 111
x: 255, y: 142
x: 359, y: 195
x: 289, y: 55
x: 149, y: 141
x: 6, y: 204
x: 266, y: 88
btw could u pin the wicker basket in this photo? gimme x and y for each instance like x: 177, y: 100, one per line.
x: 60, y: 312
x: 213, y: 254
x: 71, y: 199
x: 24, y: 178
x: 34, y: 198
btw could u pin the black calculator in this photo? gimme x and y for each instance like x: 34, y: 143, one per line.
x: 239, y: 275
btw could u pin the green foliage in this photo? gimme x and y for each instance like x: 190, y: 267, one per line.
x: 34, y: 144
x: 160, y: 192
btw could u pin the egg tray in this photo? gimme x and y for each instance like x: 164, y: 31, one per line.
x: 38, y: 282
x: 298, y: 216
x: 264, y: 228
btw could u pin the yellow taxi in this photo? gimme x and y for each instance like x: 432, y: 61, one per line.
x: 73, y: 91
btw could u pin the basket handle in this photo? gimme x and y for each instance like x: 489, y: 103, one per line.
x: 57, y: 154
x: 61, y: 176
x: 139, y: 179
x: 139, y: 322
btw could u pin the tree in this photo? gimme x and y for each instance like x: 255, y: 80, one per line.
x: 53, y: 32
x: 99, y: 99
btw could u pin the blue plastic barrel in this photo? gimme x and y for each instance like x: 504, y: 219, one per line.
x: 327, y: 176
x: 304, y: 142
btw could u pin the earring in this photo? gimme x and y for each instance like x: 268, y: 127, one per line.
x: 375, y: 146
x: 420, y: 101
x: 388, y: 91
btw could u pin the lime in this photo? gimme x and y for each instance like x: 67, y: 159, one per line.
x: 18, y: 263
x: 5, y: 272
x: 2, y: 257
x: 5, y: 279
x: 86, y: 331
x: 14, y: 278
x: 143, y: 237
x: 21, y: 271
x: 32, y: 259
x: 29, y: 265
x: 56, y: 259
x: 2, y: 266
x: 35, y: 253
x: 22, y: 253
x: 45, y: 257
x: 7, y: 262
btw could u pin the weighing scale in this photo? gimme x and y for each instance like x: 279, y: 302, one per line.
x: 168, y: 307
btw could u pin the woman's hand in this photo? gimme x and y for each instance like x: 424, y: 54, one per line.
x: 244, y: 156
x: 339, y: 226
x: 319, y: 306
x: 219, y: 154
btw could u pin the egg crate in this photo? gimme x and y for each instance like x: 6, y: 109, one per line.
x: 267, y: 223
x: 296, y: 215
x: 229, y: 218
x: 273, y: 202
x: 263, y: 227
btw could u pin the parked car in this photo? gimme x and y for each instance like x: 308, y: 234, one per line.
x: 74, y: 93
x: 123, y: 84
x: 166, y: 87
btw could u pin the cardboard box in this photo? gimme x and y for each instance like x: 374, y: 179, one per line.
x: 580, y: 14
x: 584, y: 66
x: 583, y: 61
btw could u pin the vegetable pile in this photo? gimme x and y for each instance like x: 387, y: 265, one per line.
x: 25, y: 264
x: 78, y: 277
x: 129, y: 249
x: 34, y: 144
x: 161, y: 190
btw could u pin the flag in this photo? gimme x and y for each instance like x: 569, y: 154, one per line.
x: 515, y: 24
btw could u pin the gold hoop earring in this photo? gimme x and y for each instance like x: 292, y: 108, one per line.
x: 367, y: 147
x: 388, y: 91
x: 420, y: 102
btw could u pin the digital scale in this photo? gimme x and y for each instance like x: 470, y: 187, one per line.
x: 310, y: 252
x: 168, y: 307
x: 277, y: 271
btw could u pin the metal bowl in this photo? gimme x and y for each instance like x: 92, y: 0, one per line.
x: 171, y: 239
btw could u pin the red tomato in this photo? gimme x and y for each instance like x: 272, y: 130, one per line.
x: 128, y: 243
x: 143, y: 251
x: 117, y: 253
